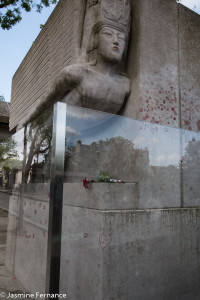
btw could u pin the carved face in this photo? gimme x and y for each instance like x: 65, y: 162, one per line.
x: 111, y: 44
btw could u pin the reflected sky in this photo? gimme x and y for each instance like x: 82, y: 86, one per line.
x: 166, y: 145
x: 19, y: 139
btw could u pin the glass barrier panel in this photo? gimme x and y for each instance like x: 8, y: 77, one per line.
x: 24, y: 200
x: 143, y: 155
x: 113, y: 164
x: 191, y: 168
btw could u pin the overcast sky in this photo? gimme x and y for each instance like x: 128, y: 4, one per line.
x: 192, y: 4
x: 15, y: 43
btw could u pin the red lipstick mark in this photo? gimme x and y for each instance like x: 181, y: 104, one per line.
x: 104, y: 241
x: 28, y: 236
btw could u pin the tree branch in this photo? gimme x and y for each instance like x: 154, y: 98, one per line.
x: 7, y: 3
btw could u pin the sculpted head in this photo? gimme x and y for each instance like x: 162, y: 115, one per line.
x: 106, y: 30
x: 110, y: 44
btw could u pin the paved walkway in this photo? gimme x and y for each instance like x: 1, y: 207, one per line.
x: 4, y: 199
x: 8, y: 284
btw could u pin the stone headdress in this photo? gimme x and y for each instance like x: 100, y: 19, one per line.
x: 100, y: 13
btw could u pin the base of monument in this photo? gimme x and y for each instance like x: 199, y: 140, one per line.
x: 130, y: 254
x: 106, y: 254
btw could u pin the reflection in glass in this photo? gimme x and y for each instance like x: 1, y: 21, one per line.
x: 191, y: 167
x: 126, y: 149
x: 24, y: 199
x: 38, y: 137
x: 159, y: 167
x: 10, y: 161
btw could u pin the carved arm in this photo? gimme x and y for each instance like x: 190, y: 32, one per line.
x: 66, y: 80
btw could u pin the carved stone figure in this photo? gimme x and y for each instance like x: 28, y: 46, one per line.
x: 97, y: 81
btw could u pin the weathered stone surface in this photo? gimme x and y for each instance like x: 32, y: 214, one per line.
x: 8, y: 284
x: 109, y: 249
x: 153, y: 191
x: 153, y: 66
x: 162, y: 59
x: 55, y: 47
x: 163, y: 64
x: 102, y: 196
x: 26, y: 251
x: 98, y: 82
x: 189, y: 40
x: 130, y: 254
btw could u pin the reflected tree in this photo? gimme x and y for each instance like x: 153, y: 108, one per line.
x: 8, y: 150
x: 115, y: 156
x: 192, y: 156
x: 37, y: 148
x: 37, y: 144
x: 191, y: 174
x: 9, y: 158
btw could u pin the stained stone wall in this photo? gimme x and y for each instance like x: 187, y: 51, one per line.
x: 189, y: 41
x: 155, y: 77
x: 163, y: 64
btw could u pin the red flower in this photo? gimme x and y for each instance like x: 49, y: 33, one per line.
x: 85, y: 183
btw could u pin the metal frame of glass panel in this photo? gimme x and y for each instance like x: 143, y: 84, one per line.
x: 56, y: 198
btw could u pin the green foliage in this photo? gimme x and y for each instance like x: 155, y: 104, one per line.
x: 9, y: 156
x: 11, y: 10
x: 10, y: 164
x: 7, y: 150
x: 103, y: 177
x: 38, y: 140
x: 2, y: 98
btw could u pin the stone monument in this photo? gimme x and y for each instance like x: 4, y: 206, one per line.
x: 97, y: 83
x: 139, y: 240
